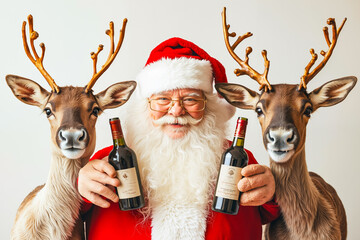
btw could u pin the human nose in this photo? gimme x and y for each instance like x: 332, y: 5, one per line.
x: 176, y: 108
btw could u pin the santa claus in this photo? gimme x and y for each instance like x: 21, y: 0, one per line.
x: 176, y: 125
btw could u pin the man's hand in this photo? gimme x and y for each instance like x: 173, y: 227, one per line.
x: 96, y: 181
x: 257, y: 185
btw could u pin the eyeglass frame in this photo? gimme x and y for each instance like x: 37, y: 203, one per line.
x: 181, y: 104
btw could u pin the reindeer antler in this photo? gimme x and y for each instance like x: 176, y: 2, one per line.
x: 245, y: 67
x: 111, y: 56
x: 305, y: 79
x: 36, y: 60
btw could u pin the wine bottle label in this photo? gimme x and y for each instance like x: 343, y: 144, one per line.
x: 129, y: 185
x: 229, y: 177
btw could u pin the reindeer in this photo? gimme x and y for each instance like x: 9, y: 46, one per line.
x: 311, y: 208
x: 51, y: 211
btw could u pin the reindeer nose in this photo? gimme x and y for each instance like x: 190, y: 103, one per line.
x: 280, y: 136
x: 72, y: 138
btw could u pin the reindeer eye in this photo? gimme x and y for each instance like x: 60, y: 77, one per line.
x: 96, y: 111
x: 259, y: 111
x: 48, y: 112
x: 308, y: 111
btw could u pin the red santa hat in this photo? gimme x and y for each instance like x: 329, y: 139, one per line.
x: 177, y: 63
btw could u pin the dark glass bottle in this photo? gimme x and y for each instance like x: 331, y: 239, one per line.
x: 123, y: 159
x: 227, y: 195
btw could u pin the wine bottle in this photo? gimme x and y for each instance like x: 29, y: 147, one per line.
x: 123, y: 159
x: 227, y: 195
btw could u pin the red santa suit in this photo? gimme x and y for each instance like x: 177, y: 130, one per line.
x: 112, y: 223
x: 175, y: 64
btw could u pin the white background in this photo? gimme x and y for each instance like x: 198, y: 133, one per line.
x: 72, y: 29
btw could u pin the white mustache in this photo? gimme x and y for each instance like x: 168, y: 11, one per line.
x: 183, y: 120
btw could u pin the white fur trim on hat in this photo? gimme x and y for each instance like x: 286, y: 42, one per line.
x: 168, y: 74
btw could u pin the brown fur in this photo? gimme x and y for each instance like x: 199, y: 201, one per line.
x: 51, y: 211
x: 311, y: 208
x: 308, y: 213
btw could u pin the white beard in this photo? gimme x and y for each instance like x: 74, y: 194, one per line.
x: 178, y: 175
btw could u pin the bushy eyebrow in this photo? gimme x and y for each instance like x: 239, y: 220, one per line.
x: 193, y: 94
x: 161, y: 94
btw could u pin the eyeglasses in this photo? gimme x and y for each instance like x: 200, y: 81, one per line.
x: 190, y: 104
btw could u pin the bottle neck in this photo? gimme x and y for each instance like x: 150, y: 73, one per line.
x: 120, y: 142
x: 117, y: 134
x: 238, y: 142
x: 239, y: 136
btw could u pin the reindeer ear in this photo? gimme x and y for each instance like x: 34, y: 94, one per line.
x: 116, y: 95
x: 237, y: 95
x: 27, y: 90
x: 332, y: 92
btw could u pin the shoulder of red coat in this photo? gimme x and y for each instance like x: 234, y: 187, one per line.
x: 102, y: 153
